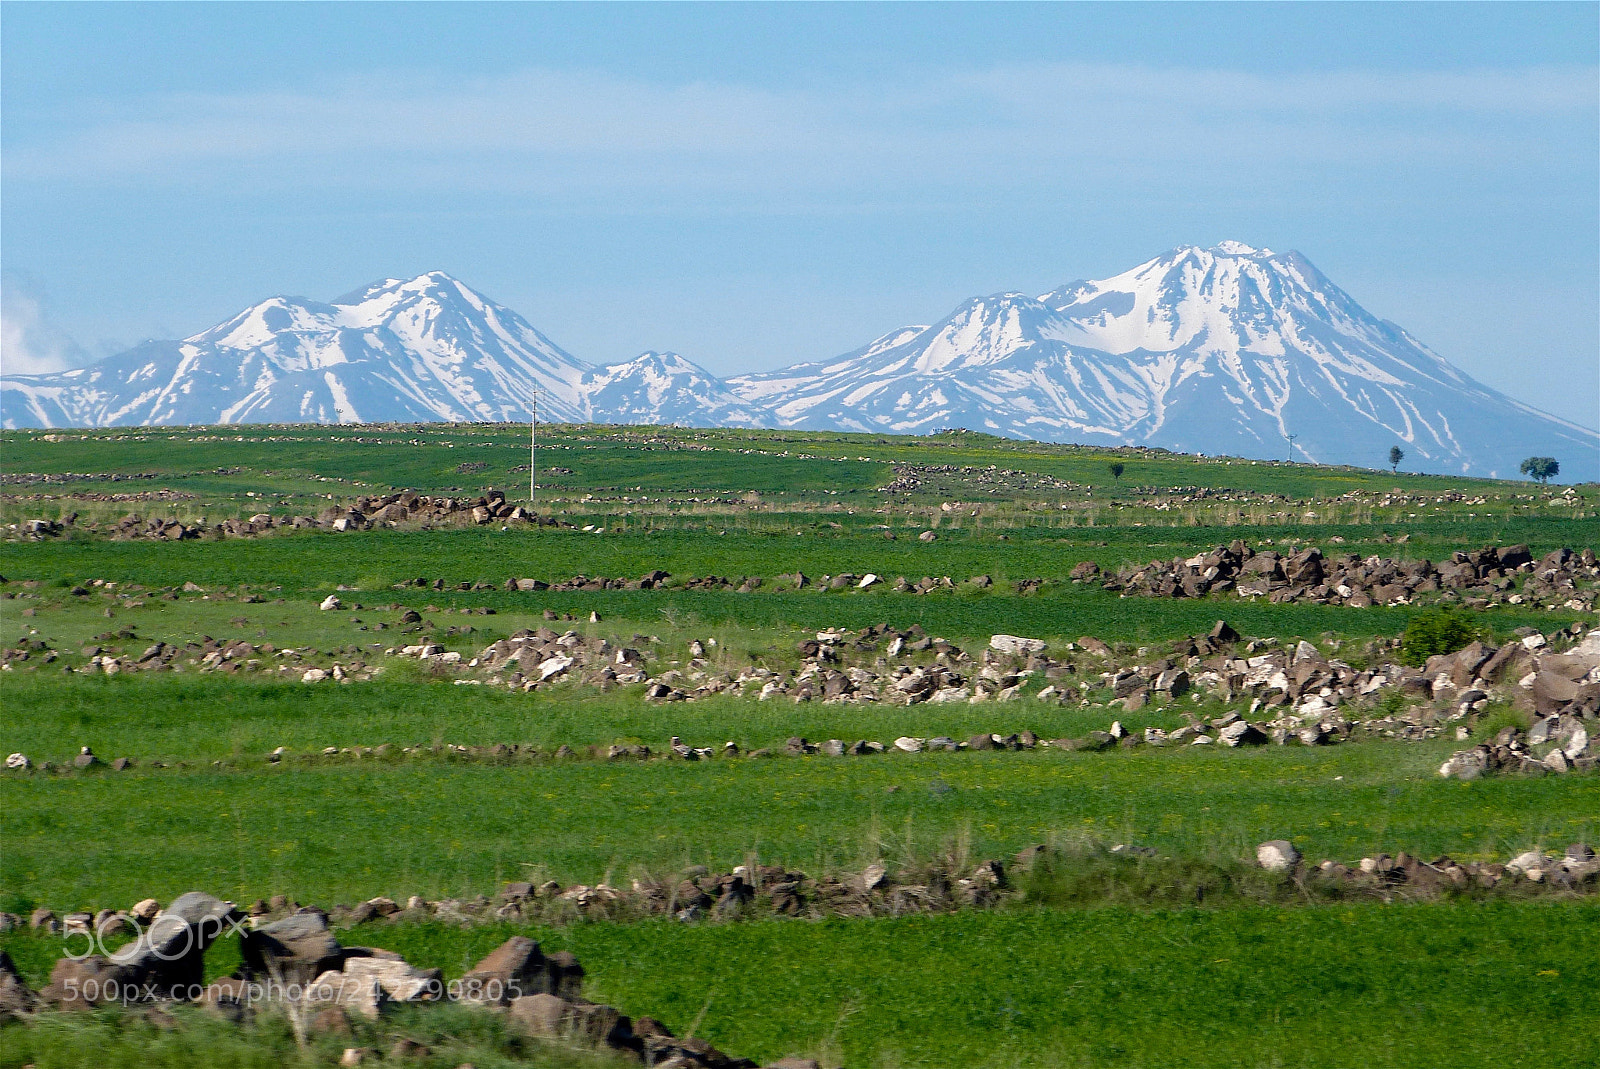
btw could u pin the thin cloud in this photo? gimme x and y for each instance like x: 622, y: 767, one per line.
x: 30, y: 344
x: 564, y: 133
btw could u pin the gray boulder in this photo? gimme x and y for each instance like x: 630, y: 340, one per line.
x: 1278, y: 855
x: 1242, y: 733
x: 171, y: 952
x: 297, y: 948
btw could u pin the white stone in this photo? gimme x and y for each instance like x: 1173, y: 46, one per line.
x: 907, y: 744
x: 1015, y: 644
x: 867, y: 580
x: 314, y: 675
x: 1279, y: 855
x: 361, y: 994
x: 1524, y: 862
x: 553, y: 666
x: 330, y: 603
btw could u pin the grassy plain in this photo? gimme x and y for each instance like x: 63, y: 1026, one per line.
x: 440, y: 828
x: 1066, y: 985
x: 1270, y: 987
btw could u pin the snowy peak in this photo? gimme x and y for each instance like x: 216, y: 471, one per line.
x: 1224, y: 349
x: 984, y: 330
x: 1225, y: 299
x: 665, y: 388
x: 1221, y: 349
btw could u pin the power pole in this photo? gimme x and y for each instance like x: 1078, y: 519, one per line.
x: 533, y: 450
x: 1290, y: 458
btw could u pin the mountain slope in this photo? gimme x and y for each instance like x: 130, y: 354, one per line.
x: 1222, y: 350
x: 665, y: 388
x: 421, y: 349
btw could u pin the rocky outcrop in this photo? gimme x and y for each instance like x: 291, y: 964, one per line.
x: 1491, y: 575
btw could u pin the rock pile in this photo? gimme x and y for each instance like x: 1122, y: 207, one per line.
x: 1507, y: 574
x: 1576, y: 870
x: 364, y: 513
x: 295, y: 961
x: 1283, y: 693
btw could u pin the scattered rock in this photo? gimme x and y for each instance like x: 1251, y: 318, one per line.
x: 1278, y: 855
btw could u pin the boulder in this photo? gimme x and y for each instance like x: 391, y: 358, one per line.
x: 1552, y: 692
x: 330, y: 603
x: 1278, y: 855
x: 1576, y: 743
x: 1016, y: 645
x: 516, y: 968
x: 1173, y: 682
x: 543, y: 1015
x: 296, y: 948
x: 400, y: 981
x: 15, y: 997
x: 1241, y: 733
x: 871, y: 878
x: 81, y: 983
x: 1465, y: 765
x: 351, y: 993
x: 1222, y: 634
x: 170, y: 954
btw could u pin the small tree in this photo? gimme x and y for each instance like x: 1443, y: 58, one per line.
x: 1541, y: 468
x: 1396, y: 455
x: 1116, y: 469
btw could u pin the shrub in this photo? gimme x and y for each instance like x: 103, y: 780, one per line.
x: 1496, y: 718
x: 1435, y: 631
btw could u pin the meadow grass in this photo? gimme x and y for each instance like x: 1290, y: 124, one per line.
x: 320, y: 560
x: 1500, y: 983
x: 184, y: 1037
x: 440, y: 828
x: 204, y: 718
x: 428, y: 457
x: 1086, y: 982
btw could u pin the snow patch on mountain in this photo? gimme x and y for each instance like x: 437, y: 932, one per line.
x: 1228, y: 349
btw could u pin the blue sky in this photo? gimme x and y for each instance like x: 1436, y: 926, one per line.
x: 757, y: 185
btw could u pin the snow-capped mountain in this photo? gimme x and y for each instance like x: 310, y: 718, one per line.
x: 666, y: 388
x: 421, y: 349
x: 1222, y: 350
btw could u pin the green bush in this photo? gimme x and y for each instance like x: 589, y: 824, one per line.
x: 1435, y: 631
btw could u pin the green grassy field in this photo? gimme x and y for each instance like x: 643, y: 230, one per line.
x: 1311, y: 987
x: 438, y: 828
x: 1089, y: 980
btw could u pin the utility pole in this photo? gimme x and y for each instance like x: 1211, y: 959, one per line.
x: 1290, y: 458
x: 533, y: 450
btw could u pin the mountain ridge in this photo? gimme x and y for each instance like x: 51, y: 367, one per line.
x: 1227, y: 349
